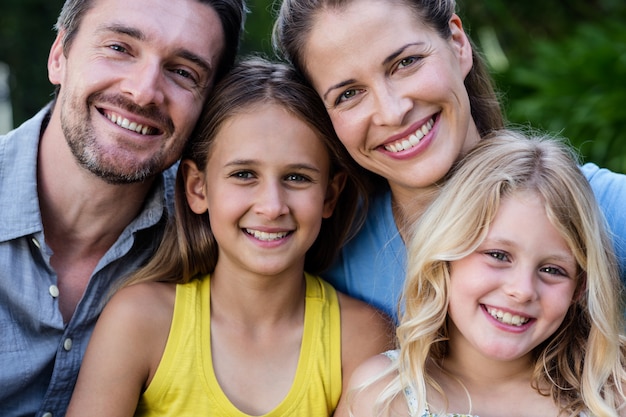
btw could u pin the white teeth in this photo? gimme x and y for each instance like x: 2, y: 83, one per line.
x: 413, y: 140
x: 266, y: 236
x: 127, y: 124
x: 507, y: 318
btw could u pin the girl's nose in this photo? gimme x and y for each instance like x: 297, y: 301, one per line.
x: 521, y: 284
x: 271, y: 201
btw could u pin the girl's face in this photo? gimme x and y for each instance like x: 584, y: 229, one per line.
x: 266, y: 189
x: 394, y: 89
x: 514, y: 291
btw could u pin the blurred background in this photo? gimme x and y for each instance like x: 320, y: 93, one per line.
x: 560, y: 65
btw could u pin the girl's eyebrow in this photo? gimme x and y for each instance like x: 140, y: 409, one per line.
x: 296, y: 166
x: 394, y: 55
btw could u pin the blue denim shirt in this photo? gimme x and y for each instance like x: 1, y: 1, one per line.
x: 40, y: 355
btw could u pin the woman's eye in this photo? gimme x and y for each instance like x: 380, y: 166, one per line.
x: 347, y: 95
x: 405, y: 62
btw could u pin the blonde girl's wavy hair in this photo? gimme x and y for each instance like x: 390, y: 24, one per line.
x: 583, y: 362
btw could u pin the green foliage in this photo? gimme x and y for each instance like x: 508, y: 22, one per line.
x: 561, y: 65
x: 26, y: 34
x: 577, y: 87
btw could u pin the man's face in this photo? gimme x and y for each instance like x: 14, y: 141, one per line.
x: 133, y: 83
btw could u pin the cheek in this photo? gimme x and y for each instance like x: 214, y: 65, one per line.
x: 350, y: 128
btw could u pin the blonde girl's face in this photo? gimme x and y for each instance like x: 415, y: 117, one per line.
x: 266, y: 189
x: 514, y: 291
x: 394, y: 89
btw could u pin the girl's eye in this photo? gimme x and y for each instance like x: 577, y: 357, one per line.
x: 498, y: 255
x: 296, y: 178
x: 552, y: 270
x: 244, y: 175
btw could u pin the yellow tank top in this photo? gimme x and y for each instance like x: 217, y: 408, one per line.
x: 185, y: 384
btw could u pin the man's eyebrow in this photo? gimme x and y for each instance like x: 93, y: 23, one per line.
x: 139, y: 35
x: 123, y: 30
x: 196, y: 59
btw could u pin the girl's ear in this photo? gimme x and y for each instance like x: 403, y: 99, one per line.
x: 461, y: 45
x: 333, y: 191
x: 194, y: 186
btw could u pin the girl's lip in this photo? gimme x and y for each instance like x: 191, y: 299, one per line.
x: 507, y: 317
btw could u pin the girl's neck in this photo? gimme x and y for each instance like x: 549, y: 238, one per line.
x: 254, y: 299
x: 479, y: 386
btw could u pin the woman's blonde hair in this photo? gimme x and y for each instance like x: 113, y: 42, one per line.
x: 583, y: 361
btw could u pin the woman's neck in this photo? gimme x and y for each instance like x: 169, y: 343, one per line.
x: 408, y: 207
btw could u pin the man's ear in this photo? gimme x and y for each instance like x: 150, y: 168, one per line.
x: 333, y: 191
x: 195, y: 190
x: 461, y: 44
x: 57, y: 60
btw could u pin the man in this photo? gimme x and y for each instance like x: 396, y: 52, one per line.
x: 85, y: 184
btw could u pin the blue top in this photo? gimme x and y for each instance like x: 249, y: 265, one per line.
x: 371, y: 266
x: 39, y: 354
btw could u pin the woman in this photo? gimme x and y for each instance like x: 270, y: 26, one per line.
x: 408, y: 96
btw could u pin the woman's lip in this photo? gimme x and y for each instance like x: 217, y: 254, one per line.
x: 410, y: 130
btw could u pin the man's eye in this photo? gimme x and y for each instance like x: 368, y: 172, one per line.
x: 183, y: 73
x: 118, y: 48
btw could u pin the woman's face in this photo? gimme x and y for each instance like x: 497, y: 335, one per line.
x: 394, y: 89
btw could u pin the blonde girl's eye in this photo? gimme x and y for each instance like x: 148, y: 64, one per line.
x: 553, y: 270
x: 498, y: 255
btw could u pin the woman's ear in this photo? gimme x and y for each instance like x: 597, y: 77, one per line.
x: 333, y: 191
x: 195, y: 189
x: 461, y: 44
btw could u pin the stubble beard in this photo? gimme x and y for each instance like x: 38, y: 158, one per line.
x: 116, y: 169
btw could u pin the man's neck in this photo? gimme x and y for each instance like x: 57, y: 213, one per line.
x: 82, y: 215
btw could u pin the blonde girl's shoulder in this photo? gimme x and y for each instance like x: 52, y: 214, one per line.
x: 364, y: 387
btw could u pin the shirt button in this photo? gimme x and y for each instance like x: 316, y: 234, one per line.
x: 47, y: 415
x: 54, y: 291
x: 36, y: 243
x: 67, y: 344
